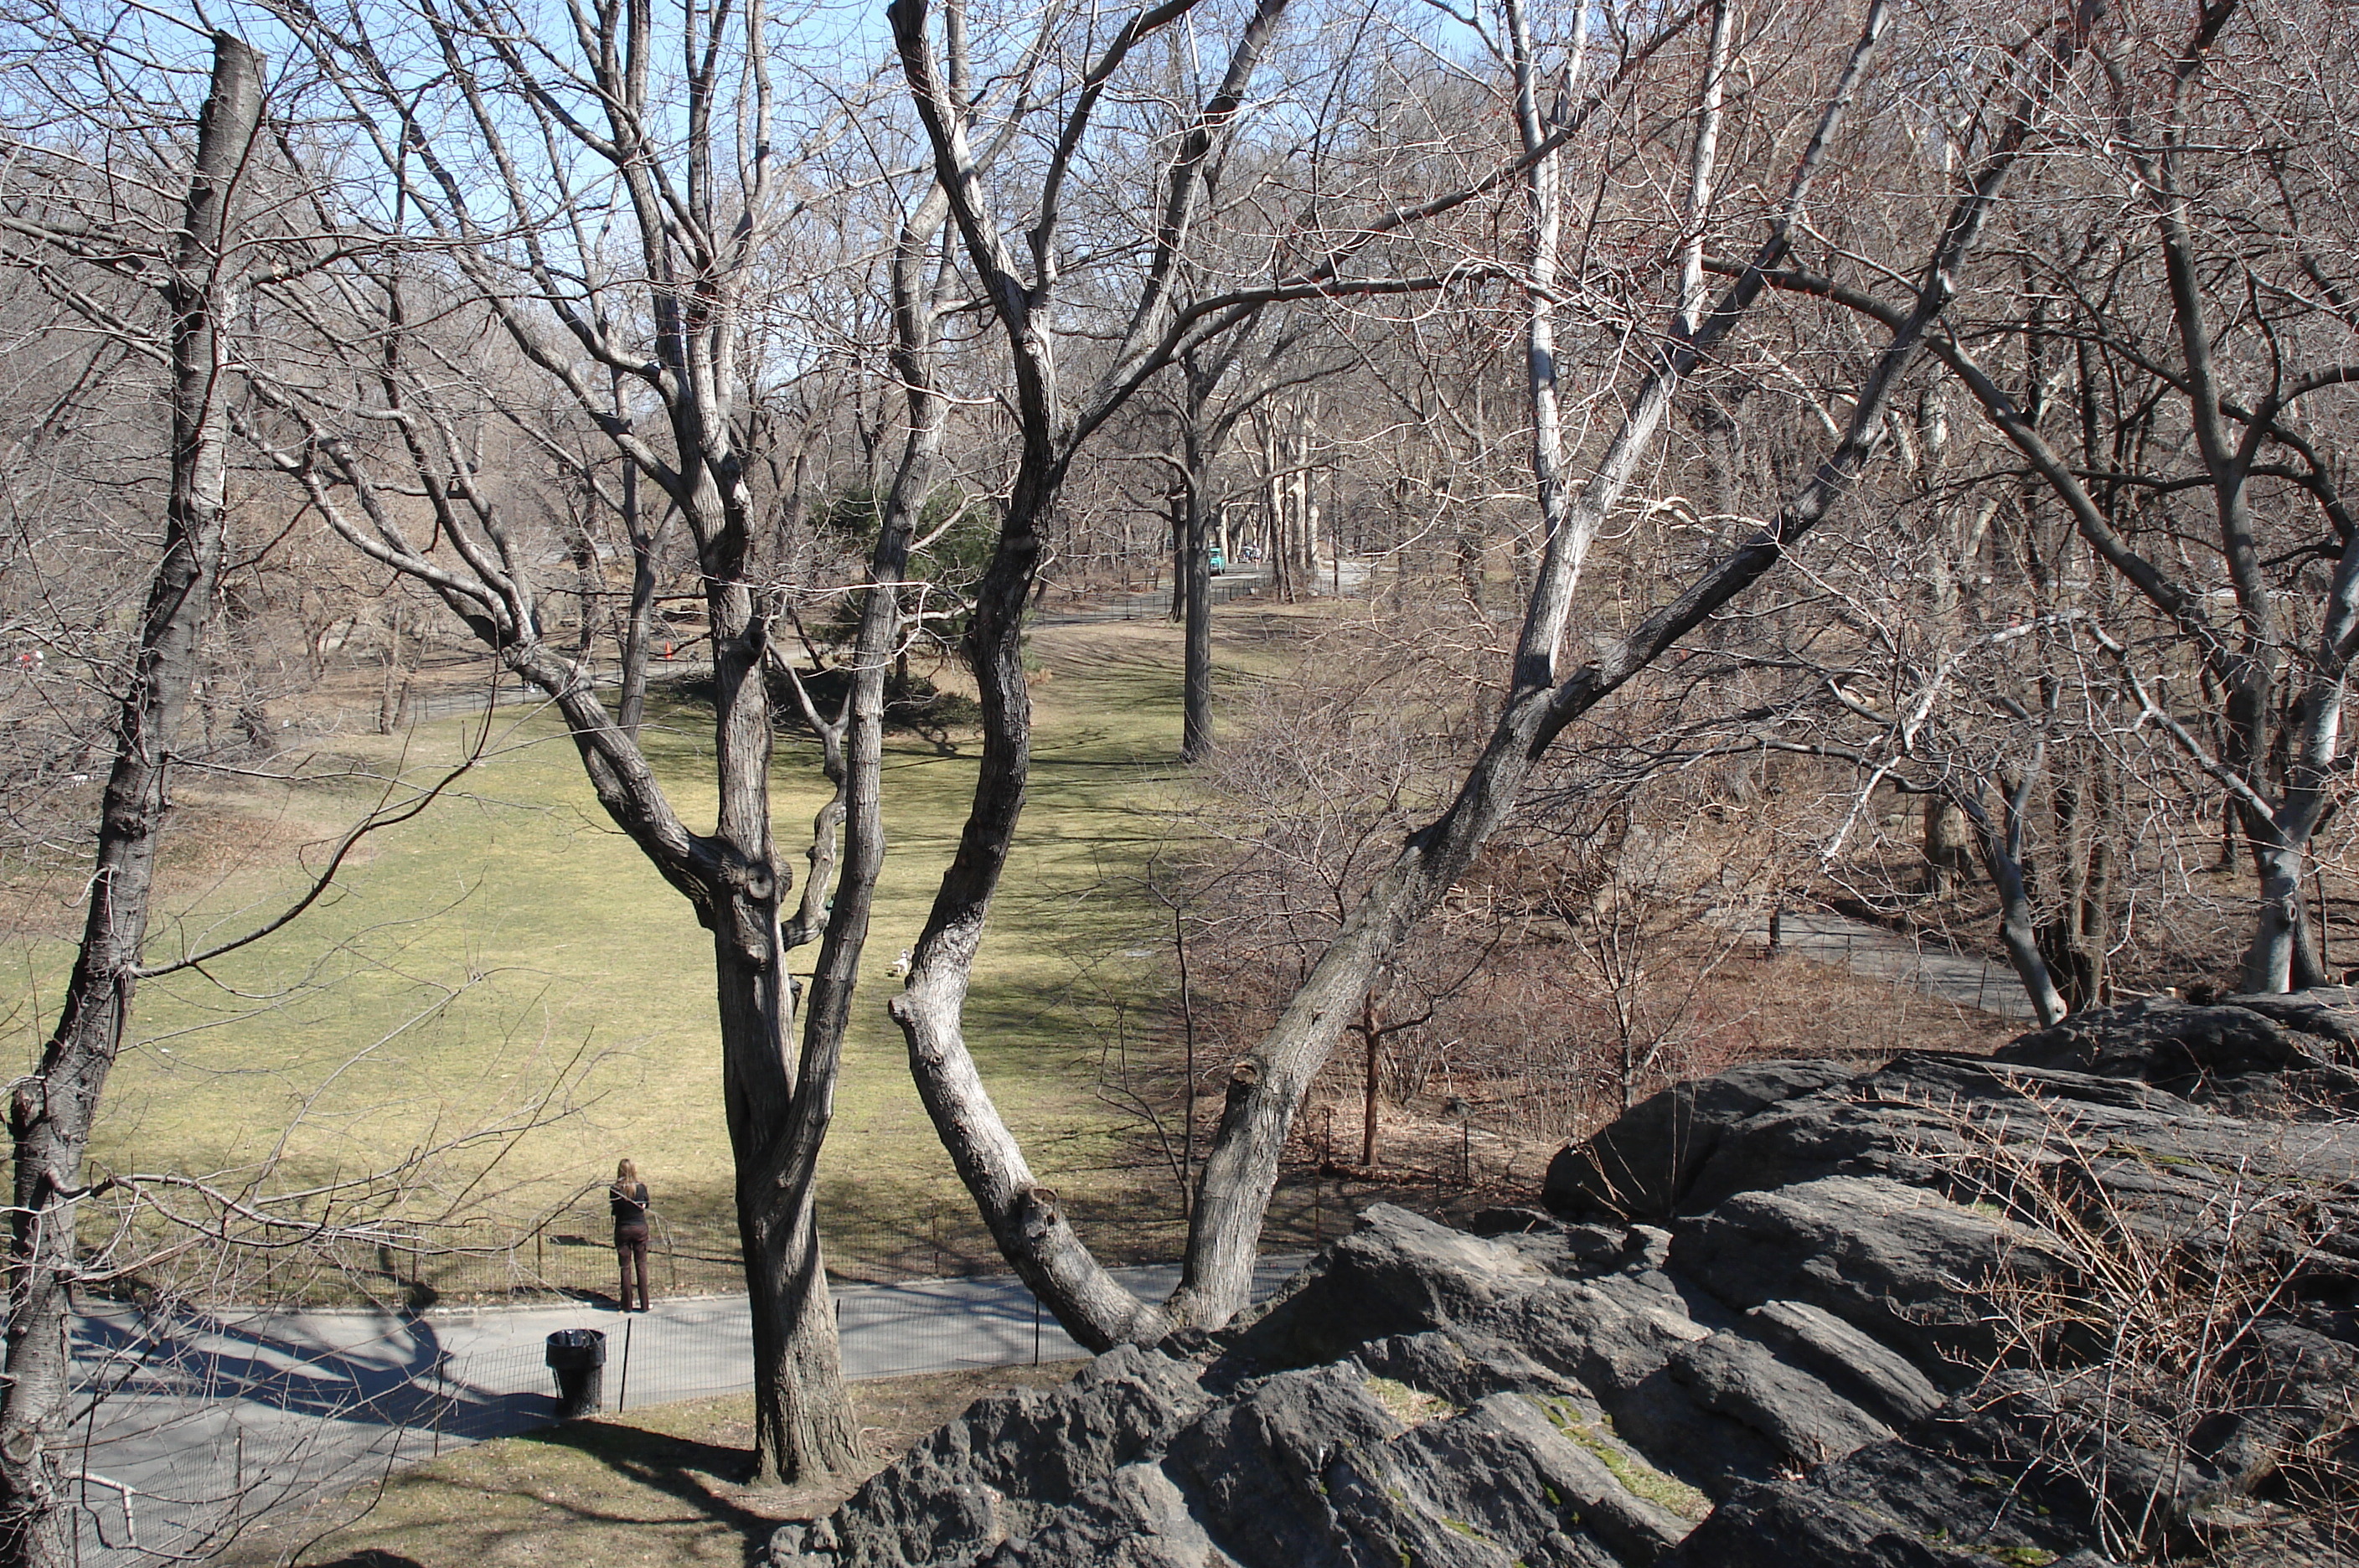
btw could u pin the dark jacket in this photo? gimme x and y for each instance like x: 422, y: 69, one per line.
x: 629, y: 1205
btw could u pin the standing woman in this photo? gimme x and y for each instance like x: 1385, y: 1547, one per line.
x: 628, y: 1200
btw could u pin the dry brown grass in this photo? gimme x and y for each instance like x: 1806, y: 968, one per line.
x: 1750, y: 1009
x: 661, y: 1488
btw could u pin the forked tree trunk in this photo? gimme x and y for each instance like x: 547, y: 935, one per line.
x: 2076, y: 939
x: 800, y: 1409
x: 51, y: 1112
x: 2283, y: 956
x: 1025, y: 1219
x: 803, y: 1422
x: 778, y: 1101
x: 1266, y: 1088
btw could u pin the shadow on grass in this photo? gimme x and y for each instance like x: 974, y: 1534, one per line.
x: 683, y: 1468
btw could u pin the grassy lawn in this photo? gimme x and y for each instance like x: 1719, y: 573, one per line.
x: 506, y: 972
x: 511, y: 945
x: 655, y: 1489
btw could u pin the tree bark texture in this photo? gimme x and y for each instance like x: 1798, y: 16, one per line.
x: 52, y: 1111
x: 1196, y: 660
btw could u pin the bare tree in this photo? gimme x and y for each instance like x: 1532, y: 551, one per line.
x: 648, y: 343
x: 1268, y: 1086
x: 2119, y: 392
x: 51, y: 1110
x: 1205, y: 423
x: 1021, y: 1214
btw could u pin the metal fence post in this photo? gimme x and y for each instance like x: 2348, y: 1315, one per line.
x: 623, y: 1394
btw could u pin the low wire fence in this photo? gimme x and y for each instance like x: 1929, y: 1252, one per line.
x: 569, y: 1255
x: 565, y: 1252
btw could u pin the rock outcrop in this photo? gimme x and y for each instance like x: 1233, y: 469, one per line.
x: 2089, y: 1298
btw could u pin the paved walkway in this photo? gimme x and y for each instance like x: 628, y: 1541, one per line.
x: 207, y: 1417
x: 1926, y: 964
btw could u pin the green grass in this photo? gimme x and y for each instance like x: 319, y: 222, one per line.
x: 1410, y: 1407
x: 511, y: 942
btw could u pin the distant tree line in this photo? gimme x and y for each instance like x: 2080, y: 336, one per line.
x: 1759, y: 432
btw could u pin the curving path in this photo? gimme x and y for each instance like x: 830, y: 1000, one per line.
x: 194, y: 1420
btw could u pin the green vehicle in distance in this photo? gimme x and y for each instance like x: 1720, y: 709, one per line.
x: 1220, y: 560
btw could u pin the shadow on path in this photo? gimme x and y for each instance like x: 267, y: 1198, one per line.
x: 389, y: 1380
x: 402, y: 1377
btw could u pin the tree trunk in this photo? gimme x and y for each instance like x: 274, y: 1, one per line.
x: 2019, y: 934
x: 2075, y: 939
x: 1305, y: 504
x: 586, y: 584
x: 1273, y: 514
x: 802, y: 1422
x: 1026, y: 1219
x: 1949, y: 844
x: 638, y: 618
x: 51, y: 1112
x: 1371, y: 1036
x: 1179, y: 551
x: 1196, y: 664
x: 393, y: 697
x: 800, y: 1402
x: 2282, y: 956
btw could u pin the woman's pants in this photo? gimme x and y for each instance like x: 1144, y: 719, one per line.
x: 631, y: 1247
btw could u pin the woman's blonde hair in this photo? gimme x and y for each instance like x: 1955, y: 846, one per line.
x: 625, y: 1172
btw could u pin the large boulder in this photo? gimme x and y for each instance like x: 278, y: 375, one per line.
x: 2171, y: 1044
x: 1008, y: 1465
x: 2092, y: 1296
x: 1641, y: 1166
x: 2280, y: 1057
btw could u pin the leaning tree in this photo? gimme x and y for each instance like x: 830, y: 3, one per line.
x: 1550, y: 688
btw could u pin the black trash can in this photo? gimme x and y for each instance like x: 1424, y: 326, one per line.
x: 577, y: 1357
